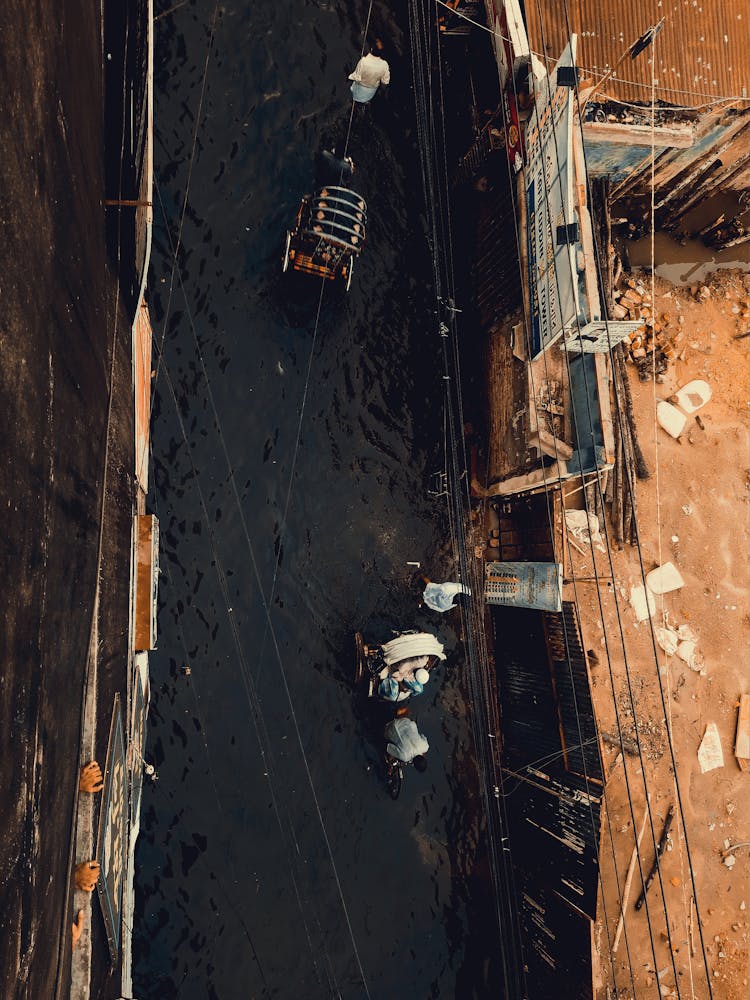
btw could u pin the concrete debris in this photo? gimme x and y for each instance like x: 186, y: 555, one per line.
x: 667, y: 639
x: 686, y: 633
x: 710, y: 754
x: 672, y: 416
x: 682, y: 641
x: 691, y: 397
x: 670, y: 419
x: 664, y: 579
x: 642, y: 603
x: 687, y: 652
x: 742, y: 738
x: 585, y: 527
x: 651, y: 346
x: 628, y: 745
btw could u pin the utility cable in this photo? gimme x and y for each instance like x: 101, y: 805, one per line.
x: 308, y: 376
x: 549, y: 488
x: 263, y: 738
x: 631, y: 489
x: 60, y: 986
x: 456, y: 353
x: 249, y: 685
x: 625, y: 652
x: 266, y: 610
x: 183, y: 210
x: 267, y: 603
x: 568, y: 661
x: 573, y: 279
x: 428, y: 141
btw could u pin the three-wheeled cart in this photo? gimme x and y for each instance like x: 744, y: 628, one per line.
x: 328, y: 233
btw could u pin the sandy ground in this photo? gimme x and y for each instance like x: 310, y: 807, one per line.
x: 693, y: 511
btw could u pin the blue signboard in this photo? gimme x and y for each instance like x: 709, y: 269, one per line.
x: 112, y: 839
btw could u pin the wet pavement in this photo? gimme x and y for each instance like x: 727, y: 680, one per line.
x: 249, y: 883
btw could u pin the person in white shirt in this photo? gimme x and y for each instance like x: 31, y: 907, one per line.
x: 406, y: 743
x: 369, y: 73
x: 441, y: 596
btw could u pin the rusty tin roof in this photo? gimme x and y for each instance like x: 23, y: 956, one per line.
x: 702, y: 53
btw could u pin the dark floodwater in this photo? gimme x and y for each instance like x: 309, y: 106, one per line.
x: 236, y: 893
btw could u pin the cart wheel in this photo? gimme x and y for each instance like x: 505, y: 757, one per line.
x: 359, y: 667
x: 394, y: 779
x: 349, y: 276
x: 286, y: 251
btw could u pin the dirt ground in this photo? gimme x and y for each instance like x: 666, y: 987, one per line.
x: 692, y: 511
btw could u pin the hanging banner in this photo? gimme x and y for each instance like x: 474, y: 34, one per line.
x: 513, y: 136
x: 552, y: 231
x: 524, y: 585
x: 510, y: 40
x: 111, y: 842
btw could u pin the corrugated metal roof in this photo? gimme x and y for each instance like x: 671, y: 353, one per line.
x: 702, y: 53
x: 550, y: 749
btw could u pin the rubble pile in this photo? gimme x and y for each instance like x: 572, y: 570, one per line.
x: 653, y: 345
x: 658, y: 340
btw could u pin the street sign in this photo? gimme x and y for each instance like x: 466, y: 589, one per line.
x: 524, y: 585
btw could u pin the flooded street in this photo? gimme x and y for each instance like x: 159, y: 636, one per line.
x: 271, y: 861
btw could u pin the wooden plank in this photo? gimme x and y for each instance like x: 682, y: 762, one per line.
x: 629, y: 878
x: 142, y: 392
x: 742, y: 739
x: 145, y: 576
x: 587, y: 237
x: 617, y: 134
x: 601, y: 362
x: 550, y: 445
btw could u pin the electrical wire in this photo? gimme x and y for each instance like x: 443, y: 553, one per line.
x: 573, y: 279
x: 594, y: 825
x: 250, y: 682
x: 629, y: 475
x: 550, y: 516
x: 568, y: 659
x: 631, y: 491
x: 183, y: 210
x: 440, y: 245
x: 267, y: 603
x: 294, y: 850
x: 295, y: 450
x: 60, y: 975
x: 557, y: 280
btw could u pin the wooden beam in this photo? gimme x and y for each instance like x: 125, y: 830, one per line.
x: 550, y: 445
x: 617, y: 134
x: 629, y: 878
x: 605, y: 406
x: 584, y: 220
